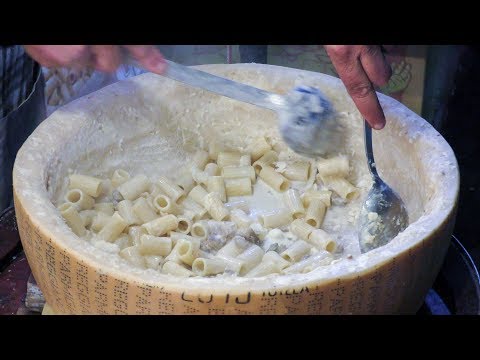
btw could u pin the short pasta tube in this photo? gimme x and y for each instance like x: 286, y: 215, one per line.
x: 337, y: 166
x: 90, y: 185
x: 175, y: 236
x: 113, y: 228
x: 87, y: 217
x: 215, y: 207
x: 143, y: 211
x: 231, y: 249
x: 99, y: 221
x: 258, y: 148
x: 206, y: 267
x: 322, y: 240
x: 315, y: 213
x: 310, y: 263
x: 324, y: 195
x: 274, y: 179
x: 133, y: 256
x: 185, y: 181
x: 197, y: 194
x: 279, y: 261
x: 228, y: 158
x: 79, y: 199
x: 105, y: 207
x: 172, y: 268
x: 73, y: 218
x: 245, y: 160
x: 165, y: 205
x: 200, y: 159
x: 213, y: 149
x: 199, y: 176
x: 232, y: 264
x: 238, y: 186
x: 174, y: 192
x: 301, y: 229
x: 187, y: 250
x: 215, y: 184
x: 162, y: 225
x: 298, y: 170
x: 266, y: 160
x: 125, y: 209
x: 153, y: 262
x: 193, y: 209
x: 119, y: 177
x: 240, y: 218
x: 263, y: 269
x: 232, y: 172
x: 132, y: 188
x: 296, y: 251
x: 154, y: 245
x: 294, y: 203
x: 251, y: 257
x: 279, y: 218
x: 341, y: 186
x: 184, y: 224
x: 200, y: 229
x: 212, y: 169
x: 135, y: 233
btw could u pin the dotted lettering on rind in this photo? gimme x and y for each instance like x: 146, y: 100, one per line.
x: 190, y: 310
x: 66, y: 281
x: 356, y: 296
x: 165, y: 303
x: 143, y: 303
x: 50, y: 255
x: 38, y: 263
x: 120, y: 297
x: 336, y: 298
x: 315, y: 302
x: 268, y: 304
x: 373, y: 292
x: 216, y: 311
x: 100, y: 291
x: 82, y: 288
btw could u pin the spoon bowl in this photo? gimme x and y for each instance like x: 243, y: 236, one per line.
x: 383, y: 214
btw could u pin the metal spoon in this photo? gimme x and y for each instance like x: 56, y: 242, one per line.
x: 306, y: 117
x: 383, y: 214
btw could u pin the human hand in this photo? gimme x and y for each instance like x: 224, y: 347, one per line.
x: 105, y: 58
x: 360, y: 67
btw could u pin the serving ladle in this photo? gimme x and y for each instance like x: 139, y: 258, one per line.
x: 306, y: 117
x: 383, y: 214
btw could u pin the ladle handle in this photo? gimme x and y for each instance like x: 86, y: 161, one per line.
x: 221, y: 86
x: 369, y: 151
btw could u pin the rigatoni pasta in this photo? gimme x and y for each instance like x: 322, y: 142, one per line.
x: 298, y: 170
x: 89, y: 184
x: 274, y: 179
x: 294, y: 203
x: 188, y: 225
x: 238, y: 186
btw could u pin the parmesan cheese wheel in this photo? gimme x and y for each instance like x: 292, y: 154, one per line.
x: 149, y: 124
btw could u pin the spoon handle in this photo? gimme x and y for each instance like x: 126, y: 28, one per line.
x: 369, y: 151
x: 219, y: 85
